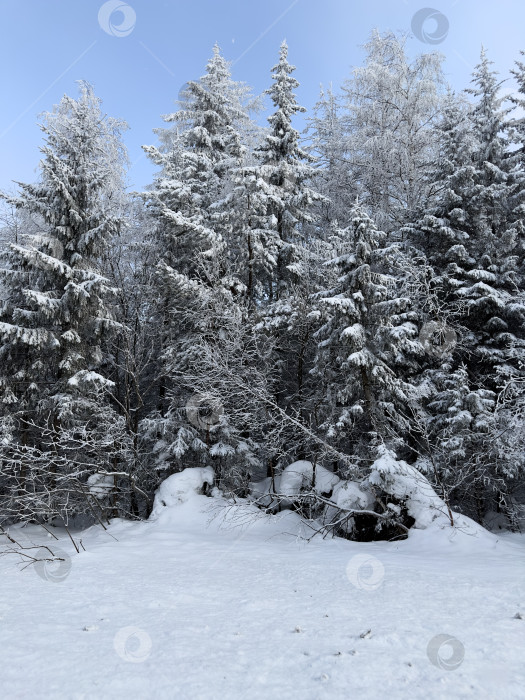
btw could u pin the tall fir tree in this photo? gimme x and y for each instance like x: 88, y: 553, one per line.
x: 286, y: 168
x: 366, y: 343
x: 58, y: 314
x: 194, y: 213
x: 290, y: 226
x: 486, y: 267
x: 474, y: 240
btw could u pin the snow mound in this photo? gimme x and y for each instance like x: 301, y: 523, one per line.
x: 407, y: 491
x: 406, y: 484
x: 348, y: 494
x: 181, y: 487
x: 325, y: 480
x: 295, y: 477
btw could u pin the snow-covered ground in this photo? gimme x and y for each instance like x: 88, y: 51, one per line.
x: 201, y: 604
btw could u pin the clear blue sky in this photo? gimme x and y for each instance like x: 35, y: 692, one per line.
x: 45, y: 45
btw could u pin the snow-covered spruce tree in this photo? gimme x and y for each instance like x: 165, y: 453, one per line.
x: 289, y: 233
x: 489, y: 279
x: 287, y: 168
x: 190, y: 204
x: 56, y: 318
x: 253, y: 247
x: 517, y: 129
x: 474, y: 239
x: 366, y: 343
x: 194, y: 159
x: 494, y: 303
x: 439, y: 230
x: 271, y: 205
x: 455, y: 444
x: 391, y: 108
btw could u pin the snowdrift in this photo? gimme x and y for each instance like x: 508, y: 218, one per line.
x: 189, y: 499
x: 404, y: 490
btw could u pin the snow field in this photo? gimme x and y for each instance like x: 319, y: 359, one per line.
x: 206, y: 601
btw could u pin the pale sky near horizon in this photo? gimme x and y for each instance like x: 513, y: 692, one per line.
x: 139, y: 55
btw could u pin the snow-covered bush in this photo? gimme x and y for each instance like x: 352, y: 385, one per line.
x: 181, y: 487
x: 408, y: 490
x: 394, y: 497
